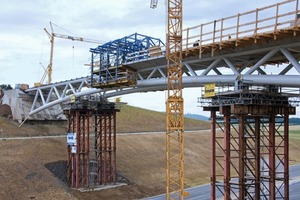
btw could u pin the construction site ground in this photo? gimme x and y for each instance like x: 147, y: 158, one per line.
x: 35, y: 168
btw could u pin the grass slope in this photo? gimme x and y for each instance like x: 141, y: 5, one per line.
x: 129, y: 119
x: 133, y: 119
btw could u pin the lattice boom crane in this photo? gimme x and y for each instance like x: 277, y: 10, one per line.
x: 174, y: 104
x: 52, y: 35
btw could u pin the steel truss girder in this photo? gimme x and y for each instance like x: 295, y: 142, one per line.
x: 221, y: 69
x: 232, y: 64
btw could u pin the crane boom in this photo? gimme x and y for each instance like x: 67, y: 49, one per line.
x: 51, y: 36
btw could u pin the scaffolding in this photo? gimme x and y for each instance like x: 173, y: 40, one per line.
x: 249, y: 142
x: 92, y: 154
x: 108, y: 61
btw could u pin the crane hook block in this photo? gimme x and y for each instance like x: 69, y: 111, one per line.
x: 153, y: 4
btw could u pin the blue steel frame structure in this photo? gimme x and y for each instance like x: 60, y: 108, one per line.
x: 107, y: 60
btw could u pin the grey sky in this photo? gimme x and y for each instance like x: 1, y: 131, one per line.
x: 24, y: 44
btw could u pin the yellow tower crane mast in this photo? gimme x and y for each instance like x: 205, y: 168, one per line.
x: 52, y: 35
x: 174, y: 104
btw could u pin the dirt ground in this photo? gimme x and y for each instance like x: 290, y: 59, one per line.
x: 25, y: 174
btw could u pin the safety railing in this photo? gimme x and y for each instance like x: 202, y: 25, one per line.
x: 269, y: 19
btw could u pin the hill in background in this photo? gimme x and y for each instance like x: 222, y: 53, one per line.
x: 197, y: 117
x: 295, y: 121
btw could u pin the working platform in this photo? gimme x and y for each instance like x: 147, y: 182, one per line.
x: 108, y: 68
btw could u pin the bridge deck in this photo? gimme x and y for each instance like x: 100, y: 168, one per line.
x: 256, y: 31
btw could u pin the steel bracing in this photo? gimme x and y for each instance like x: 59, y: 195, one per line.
x: 104, y: 152
x: 250, y: 152
x: 92, y: 159
x: 249, y: 155
x: 78, y: 162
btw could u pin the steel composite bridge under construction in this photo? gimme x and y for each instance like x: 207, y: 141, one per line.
x: 252, y: 60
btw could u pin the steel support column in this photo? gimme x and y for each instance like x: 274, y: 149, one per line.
x: 254, y: 144
x: 78, y: 162
x: 226, y: 151
x: 257, y: 167
x: 286, y: 157
x: 94, y: 165
x: 272, y: 165
x: 242, y: 165
x: 213, y: 156
x: 105, y: 146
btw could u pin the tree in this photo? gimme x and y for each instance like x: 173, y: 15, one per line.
x: 6, y: 86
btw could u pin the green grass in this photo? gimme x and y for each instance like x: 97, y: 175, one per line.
x: 294, y: 134
x: 134, y: 119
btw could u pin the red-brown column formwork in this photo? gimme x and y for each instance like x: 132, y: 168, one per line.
x: 250, y: 151
x: 78, y: 154
x: 105, y: 147
x: 213, y: 155
x: 94, y: 165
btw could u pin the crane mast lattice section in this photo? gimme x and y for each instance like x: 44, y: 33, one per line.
x: 249, y: 155
x: 174, y: 104
x: 92, y: 157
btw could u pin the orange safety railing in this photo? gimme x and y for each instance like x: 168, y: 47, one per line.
x: 269, y: 19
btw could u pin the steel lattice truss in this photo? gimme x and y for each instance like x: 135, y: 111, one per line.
x: 216, y: 70
x: 174, y: 104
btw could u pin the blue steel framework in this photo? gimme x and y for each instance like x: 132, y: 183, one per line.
x: 107, y: 60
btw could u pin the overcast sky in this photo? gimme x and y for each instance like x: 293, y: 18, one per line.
x: 24, y: 45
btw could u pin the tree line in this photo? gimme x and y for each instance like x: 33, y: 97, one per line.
x: 6, y: 87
